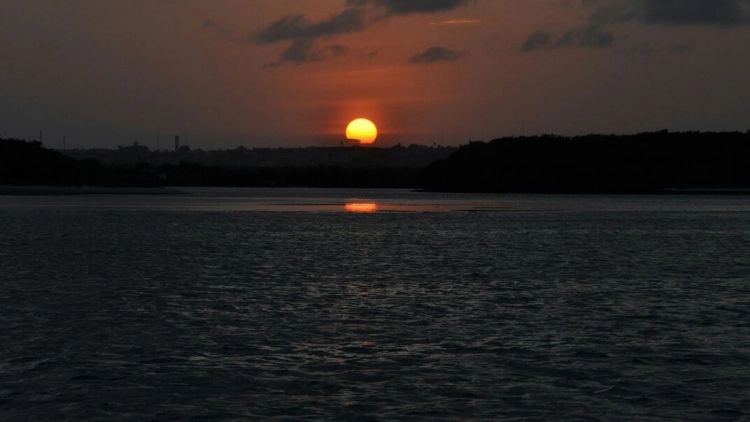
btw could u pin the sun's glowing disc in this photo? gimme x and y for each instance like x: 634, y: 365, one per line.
x: 362, y: 130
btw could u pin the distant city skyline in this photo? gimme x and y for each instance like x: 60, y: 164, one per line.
x: 293, y: 73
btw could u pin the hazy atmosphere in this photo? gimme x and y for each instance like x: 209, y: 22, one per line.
x: 224, y: 73
x: 375, y: 210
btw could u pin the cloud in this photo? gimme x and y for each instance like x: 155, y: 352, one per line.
x: 436, y: 55
x: 693, y: 12
x: 537, y: 40
x: 304, y: 35
x: 295, y: 27
x: 604, y: 14
x: 723, y: 13
x: 404, y: 7
x: 589, y: 37
x: 306, y: 50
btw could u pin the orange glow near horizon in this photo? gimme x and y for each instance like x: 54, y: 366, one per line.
x: 361, y: 207
x: 362, y: 130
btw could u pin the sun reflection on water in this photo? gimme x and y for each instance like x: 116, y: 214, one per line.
x: 361, y: 207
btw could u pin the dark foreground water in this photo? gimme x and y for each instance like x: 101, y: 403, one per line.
x: 291, y: 305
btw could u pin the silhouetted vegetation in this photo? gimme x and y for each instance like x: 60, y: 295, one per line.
x: 646, y: 162
x: 418, y: 156
x: 29, y: 163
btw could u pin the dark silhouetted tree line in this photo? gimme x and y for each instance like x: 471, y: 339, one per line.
x: 29, y: 163
x: 646, y: 162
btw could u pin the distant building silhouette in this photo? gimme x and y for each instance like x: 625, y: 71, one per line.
x: 177, y: 143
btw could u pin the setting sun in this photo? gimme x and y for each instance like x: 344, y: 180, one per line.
x: 362, y: 130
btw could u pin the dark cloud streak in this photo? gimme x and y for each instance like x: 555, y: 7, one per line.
x: 723, y: 13
x: 306, y: 50
x: 588, y: 37
x: 537, y: 40
x: 605, y: 13
x: 692, y: 12
x: 304, y: 35
x: 295, y: 27
x: 404, y: 7
x: 436, y: 55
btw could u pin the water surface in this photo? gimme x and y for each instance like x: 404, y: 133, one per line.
x: 302, y: 305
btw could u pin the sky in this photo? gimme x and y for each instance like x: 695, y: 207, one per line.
x: 294, y: 73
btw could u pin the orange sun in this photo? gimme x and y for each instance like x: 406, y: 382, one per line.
x: 362, y: 130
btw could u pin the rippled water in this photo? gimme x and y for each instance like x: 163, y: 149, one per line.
x: 289, y: 305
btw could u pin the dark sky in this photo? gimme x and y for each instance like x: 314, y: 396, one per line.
x: 222, y: 73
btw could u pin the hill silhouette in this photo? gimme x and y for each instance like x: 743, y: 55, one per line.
x: 646, y: 162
